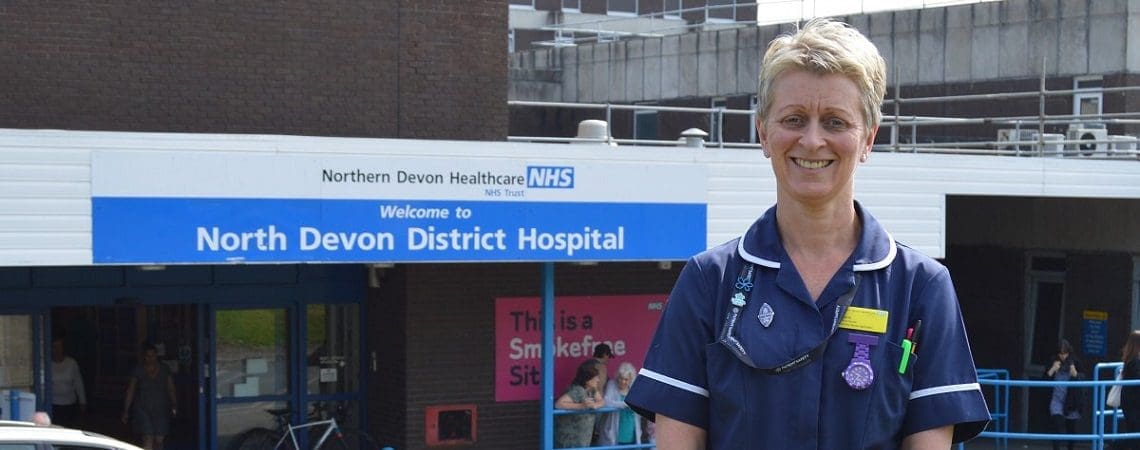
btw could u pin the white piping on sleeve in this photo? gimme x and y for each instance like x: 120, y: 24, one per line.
x: 945, y: 390
x: 674, y: 382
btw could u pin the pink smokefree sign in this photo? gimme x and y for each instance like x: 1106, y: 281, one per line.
x: 625, y: 322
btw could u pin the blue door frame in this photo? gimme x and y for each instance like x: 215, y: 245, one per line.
x: 297, y: 395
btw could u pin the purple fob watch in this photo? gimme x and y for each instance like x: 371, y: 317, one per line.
x: 859, y: 374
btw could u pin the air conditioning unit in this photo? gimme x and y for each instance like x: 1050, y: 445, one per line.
x: 1029, y: 139
x: 1053, y: 145
x: 1097, y: 138
x: 1120, y: 145
x: 1008, y: 137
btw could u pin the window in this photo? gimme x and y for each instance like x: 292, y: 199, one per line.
x: 645, y: 124
x: 672, y: 9
x: 1088, y: 103
x: 522, y: 4
x: 721, y: 11
x: 511, y: 40
x: 333, y: 348
x: 1045, y: 308
x: 572, y: 5
x: 621, y: 7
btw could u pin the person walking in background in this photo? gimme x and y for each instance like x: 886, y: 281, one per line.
x: 623, y: 426
x: 602, y: 354
x: 576, y: 430
x: 68, y: 397
x: 814, y: 329
x: 1130, y: 395
x: 1064, y: 406
x: 151, y: 400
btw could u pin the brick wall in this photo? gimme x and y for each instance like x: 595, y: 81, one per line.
x: 450, y: 337
x: 376, y: 68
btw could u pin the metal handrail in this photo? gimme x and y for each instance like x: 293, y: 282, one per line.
x: 1097, y: 436
x: 895, y: 123
x: 599, y: 411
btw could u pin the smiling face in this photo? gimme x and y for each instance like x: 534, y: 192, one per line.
x: 815, y: 134
x: 624, y: 381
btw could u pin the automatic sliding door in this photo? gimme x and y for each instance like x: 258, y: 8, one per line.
x: 252, y: 368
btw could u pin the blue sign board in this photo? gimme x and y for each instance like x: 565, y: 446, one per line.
x: 195, y: 230
x: 1094, y: 333
x: 211, y: 207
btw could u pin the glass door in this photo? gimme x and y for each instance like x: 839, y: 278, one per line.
x: 21, y: 364
x: 251, y: 368
x: 333, y: 363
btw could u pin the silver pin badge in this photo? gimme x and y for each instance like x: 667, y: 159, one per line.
x: 766, y: 315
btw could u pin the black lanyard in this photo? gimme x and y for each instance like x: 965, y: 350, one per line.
x: 739, y: 300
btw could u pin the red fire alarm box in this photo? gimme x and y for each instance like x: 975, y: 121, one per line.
x: 450, y: 424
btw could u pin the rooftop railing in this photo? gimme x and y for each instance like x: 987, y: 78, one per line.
x: 1083, y: 136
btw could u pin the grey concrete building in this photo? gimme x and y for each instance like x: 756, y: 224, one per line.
x: 982, y: 48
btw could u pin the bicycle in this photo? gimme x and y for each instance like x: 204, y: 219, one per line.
x: 323, y: 432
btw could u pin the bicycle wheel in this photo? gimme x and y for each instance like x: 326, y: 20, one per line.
x: 257, y: 439
x: 349, y: 439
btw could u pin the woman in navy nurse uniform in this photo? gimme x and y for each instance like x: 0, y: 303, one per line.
x: 814, y: 329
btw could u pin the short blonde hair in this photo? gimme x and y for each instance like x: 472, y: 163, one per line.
x: 826, y: 47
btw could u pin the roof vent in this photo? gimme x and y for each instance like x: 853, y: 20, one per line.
x: 694, y: 137
x: 593, y: 131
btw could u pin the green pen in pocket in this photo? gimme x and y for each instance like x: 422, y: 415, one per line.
x: 906, y: 346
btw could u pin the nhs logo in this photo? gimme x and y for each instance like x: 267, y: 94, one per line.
x: 553, y: 177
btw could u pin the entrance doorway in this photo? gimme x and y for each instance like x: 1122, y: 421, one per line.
x: 1044, y: 322
x: 106, y: 342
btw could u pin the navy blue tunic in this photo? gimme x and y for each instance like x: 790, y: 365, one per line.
x: 690, y: 377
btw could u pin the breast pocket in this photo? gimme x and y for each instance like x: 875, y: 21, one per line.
x: 889, y: 396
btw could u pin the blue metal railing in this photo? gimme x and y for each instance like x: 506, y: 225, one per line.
x: 999, y: 413
x: 1100, y: 410
x: 999, y: 380
x: 600, y: 412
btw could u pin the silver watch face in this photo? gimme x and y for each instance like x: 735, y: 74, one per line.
x: 859, y: 375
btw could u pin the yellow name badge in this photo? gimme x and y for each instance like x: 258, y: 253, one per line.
x: 864, y: 319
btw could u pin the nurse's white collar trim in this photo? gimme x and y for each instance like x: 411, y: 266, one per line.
x: 886, y: 261
x: 674, y: 382
x: 945, y: 390
x: 754, y: 259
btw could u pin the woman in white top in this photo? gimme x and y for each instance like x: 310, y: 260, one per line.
x: 622, y: 426
x: 68, y: 398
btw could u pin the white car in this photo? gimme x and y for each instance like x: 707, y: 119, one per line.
x: 28, y: 436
